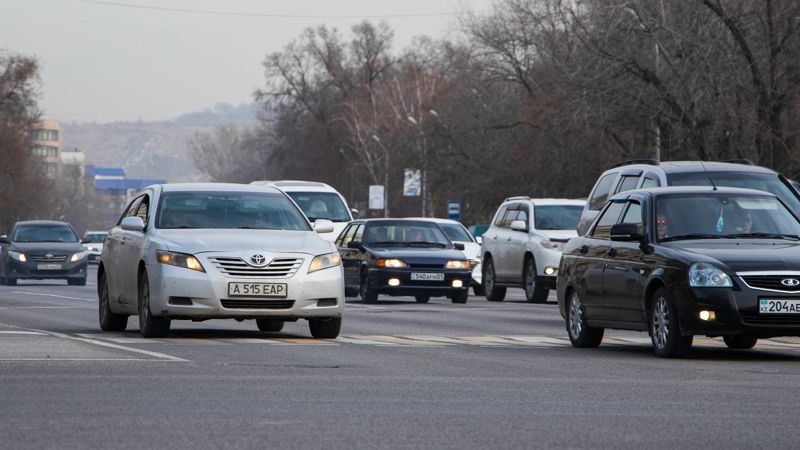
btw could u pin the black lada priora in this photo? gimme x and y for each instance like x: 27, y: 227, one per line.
x: 679, y: 262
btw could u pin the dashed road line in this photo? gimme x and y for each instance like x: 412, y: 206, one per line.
x: 42, y: 294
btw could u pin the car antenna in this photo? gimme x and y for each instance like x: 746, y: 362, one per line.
x: 708, y: 175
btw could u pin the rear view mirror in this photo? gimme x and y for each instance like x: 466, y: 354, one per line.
x: 519, y: 225
x: 354, y: 245
x: 132, y: 224
x: 479, y: 239
x: 4, y: 239
x: 86, y: 241
x: 354, y: 213
x: 458, y: 246
x: 323, y: 226
x: 626, y: 232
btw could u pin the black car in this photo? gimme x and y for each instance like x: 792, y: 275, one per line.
x: 42, y: 250
x: 402, y: 257
x: 679, y: 262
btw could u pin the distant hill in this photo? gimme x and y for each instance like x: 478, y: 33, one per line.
x: 158, y: 149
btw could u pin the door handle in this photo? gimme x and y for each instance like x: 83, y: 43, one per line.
x: 612, y: 252
x: 621, y: 269
x: 583, y: 250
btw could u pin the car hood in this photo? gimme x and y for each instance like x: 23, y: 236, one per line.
x: 471, y: 249
x: 418, y: 255
x: 41, y: 248
x: 279, y: 241
x: 744, y: 256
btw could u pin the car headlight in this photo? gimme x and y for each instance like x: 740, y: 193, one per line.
x: 707, y: 275
x: 391, y: 263
x: 21, y: 257
x: 78, y: 256
x: 457, y: 264
x: 551, y: 245
x: 179, y: 259
x: 325, y: 261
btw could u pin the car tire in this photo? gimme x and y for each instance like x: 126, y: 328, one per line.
x: 580, y: 334
x: 76, y: 281
x: 269, y: 325
x: 109, y: 321
x: 11, y: 281
x: 149, y: 325
x: 740, y: 342
x: 461, y: 297
x: 367, y: 295
x: 534, y: 292
x: 422, y: 298
x: 493, y: 293
x: 325, y: 328
x: 665, y: 330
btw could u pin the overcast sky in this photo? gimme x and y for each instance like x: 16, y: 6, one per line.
x: 107, y: 62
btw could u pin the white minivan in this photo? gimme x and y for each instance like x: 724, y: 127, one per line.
x: 317, y: 201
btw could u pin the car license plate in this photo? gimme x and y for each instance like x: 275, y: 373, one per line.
x: 778, y: 306
x: 257, y: 289
x: 415, y: 276
x: 48, y: 266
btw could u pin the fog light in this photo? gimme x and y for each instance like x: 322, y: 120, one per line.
x: 550, y: 270
x: 458, y: 283
x: 394, y: 282
x: 707, y: 315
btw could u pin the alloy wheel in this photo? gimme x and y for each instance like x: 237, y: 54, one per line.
x: 575, y: 316
x: 661, y: 322
x: 488, y: 279
x: 530, y: 279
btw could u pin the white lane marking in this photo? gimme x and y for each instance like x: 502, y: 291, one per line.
x: 55, y: 295
x: 85, y: 359
x: 115, y: 346
x: 36, y: 333
x: 348, y: 340
x: 45, y: 307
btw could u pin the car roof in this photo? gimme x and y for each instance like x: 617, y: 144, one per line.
x: 547, y: 201
x: 689, y: 190
x: 693, y: 166
x: 435, y: 220
x: 215, y: 187
x: 296, y: 185
x: 395, y: 219
x: 41, y: 222
x: 96, y: 232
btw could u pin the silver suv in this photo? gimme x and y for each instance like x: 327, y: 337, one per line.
x: 522, y: 247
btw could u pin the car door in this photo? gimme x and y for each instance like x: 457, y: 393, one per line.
x: 130, y: 254
x: 113, y: 249
x: 625, y: 272
x: 349, y: 255
x: 516, y: 244
x: 593, y: 260
x: 490, y: 244
x: 502, y: 261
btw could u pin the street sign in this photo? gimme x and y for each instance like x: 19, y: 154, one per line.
x: 376, y: 197
x: 412, y: 182
x: 454, y: 209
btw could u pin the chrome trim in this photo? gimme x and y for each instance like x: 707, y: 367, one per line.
x: 780, y: 273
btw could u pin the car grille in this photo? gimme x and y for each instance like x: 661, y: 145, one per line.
x: 754, y: 318
x: 771, y: 282
x: 257, y: 304
x: 45, y: 259
x: 237, y: 267
x: 426, y: 266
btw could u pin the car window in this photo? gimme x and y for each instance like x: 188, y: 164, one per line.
x: 130, y: 211
x: 634, y: 215
x: 44, y: 233
x: 601, y: 191
x: 359, y: 236
x: 511, y: 216
x: 144, y: 206
x: 609, y: 217
x: 556, y: 217
x: 768, y: 182
x: 455, y: 231
x: 406, y: 233
x: 650, y: 183
x: 321, y: 205
x: 498, y: 220
x: 523, y: 215
x: 346, y: 236
x: 628, y: 183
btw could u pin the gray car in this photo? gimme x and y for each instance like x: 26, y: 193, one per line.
x: 219, y: 251
x: 42, y: 250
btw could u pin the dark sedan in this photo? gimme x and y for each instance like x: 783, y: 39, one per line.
x: 41, y: 250
x: 680, y: 262
x: 402, y: 257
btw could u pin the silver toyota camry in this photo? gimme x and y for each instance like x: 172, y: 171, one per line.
x: 219, y: 251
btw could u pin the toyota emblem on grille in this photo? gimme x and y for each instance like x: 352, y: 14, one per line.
x: 49, y: 256
x: 258, y: 260
x: 791, y: 282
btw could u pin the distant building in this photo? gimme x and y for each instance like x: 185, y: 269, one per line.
x: 46, y: 146
x: 114, y: 191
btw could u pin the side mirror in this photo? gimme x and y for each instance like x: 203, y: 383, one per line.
x: 354, y: 213
x: 323, y: 226
x: 132, y: 224
x: 4, y: 239
x: 458, y: 246
x: 519, y: 225
x: 86, y: 241
x: 354, y: 245
x: 626, y: 232
x: 479, y: 239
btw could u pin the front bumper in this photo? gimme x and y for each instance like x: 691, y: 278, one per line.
x: 181, y: 293
x: 30, y: 270
x: 736, y: 312
x: 379, y: 280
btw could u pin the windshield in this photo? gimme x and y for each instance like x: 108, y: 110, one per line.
x: 95, y: 238
x: 767, y: 182
x: 321, y: 205
x: 256, y: 210
x: 44, y: 233
x: 406, y: 234
x: 557, y: 217
x: 455, y: 232
x: 723, y: 217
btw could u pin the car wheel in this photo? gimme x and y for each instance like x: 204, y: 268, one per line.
x: 325, y: 328
x: 494, y: 293
x: 149, y: 325
x: 367, y: 295
x: 740, y: 342
x: 109, y: 321
x: 581, y: 334
x: 460, y: 297
x: 76, y: 281
x: 269, y: 325
x: 534, y: 292
x: 422, y: 298
x: 665, y: 331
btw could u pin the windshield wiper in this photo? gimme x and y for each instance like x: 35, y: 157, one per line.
x: 426, y: 244
x: 379, y: 243
x: 763, y: 235
x: 686, y: 237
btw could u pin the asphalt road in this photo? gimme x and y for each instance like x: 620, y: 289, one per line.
x: 480, y: 375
